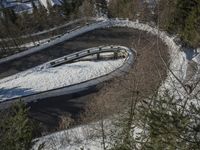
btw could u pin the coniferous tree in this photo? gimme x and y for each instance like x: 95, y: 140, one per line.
x: 186, y: 21
x: 70, y: 7
x: 101, y: 6
x: 16, y: 128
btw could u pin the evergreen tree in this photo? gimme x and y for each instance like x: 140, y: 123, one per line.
x: 169, y: 126
x: 122, y: 8
x: 70, y: 7
x: 17, y: 130
x: 9, y: 15
x: 163, y: 12
x: 87, y: 9
x: 102, y: 8
x: 34, y: 6
x: 186, y: 21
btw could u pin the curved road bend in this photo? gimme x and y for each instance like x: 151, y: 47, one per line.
x: 57, y: 106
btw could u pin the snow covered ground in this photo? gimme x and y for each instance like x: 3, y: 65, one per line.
x: 78, y: 138
x: 41, y: 79
x: 72, y: 139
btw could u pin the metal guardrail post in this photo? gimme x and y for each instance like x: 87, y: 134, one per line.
x: 116, y: 53
x: 52, y: 63
x: 98, y: 56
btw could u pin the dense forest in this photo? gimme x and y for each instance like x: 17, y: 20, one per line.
x: 180, y: 17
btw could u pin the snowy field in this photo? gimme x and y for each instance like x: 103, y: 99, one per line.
x: 41, y: 79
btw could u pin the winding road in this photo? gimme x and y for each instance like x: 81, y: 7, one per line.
x: 114, y: 33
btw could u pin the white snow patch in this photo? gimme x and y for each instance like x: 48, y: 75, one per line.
x: 45, y: 3
x: 87, y: 137
x: 72, y: 139
x: 41, y: 79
